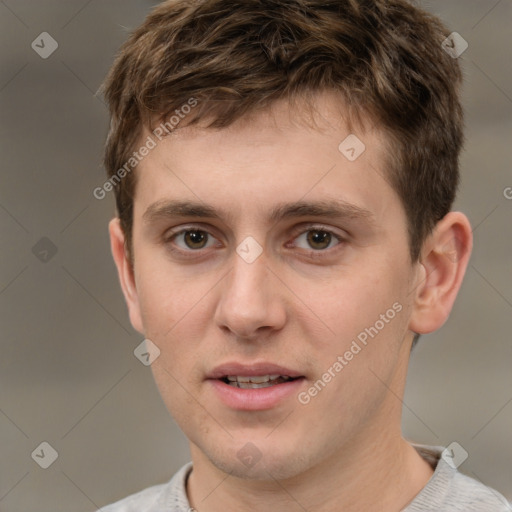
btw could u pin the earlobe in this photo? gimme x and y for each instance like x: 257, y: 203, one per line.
x: 125, y: 273
x: 442, y: 266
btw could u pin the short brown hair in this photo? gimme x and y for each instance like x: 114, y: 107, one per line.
x: 235, y: 57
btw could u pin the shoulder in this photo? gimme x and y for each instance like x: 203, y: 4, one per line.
x: 168, y: 496
x: 467, y: 494
x: 451, y: 491
x: 138, y: 501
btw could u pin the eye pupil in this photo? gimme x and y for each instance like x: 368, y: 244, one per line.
x: 195, y: 239
x: 321, y: 238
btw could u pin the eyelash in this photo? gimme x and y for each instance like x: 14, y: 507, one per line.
x: 312, y: 253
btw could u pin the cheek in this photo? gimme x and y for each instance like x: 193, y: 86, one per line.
x: 168, y: 300
x: 366, y: 315
x: 175, y: 318
x: 175, y: 391
x: 347, y: 304
x: 369, y: 324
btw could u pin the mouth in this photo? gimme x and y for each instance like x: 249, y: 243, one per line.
x: 254, y: 386
x: 256, y: 381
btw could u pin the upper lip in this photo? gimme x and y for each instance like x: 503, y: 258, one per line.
x: 251, y: 370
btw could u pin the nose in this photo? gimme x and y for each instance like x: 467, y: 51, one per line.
x: 250, y: 304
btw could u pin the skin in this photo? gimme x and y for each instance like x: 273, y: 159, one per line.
x: 204, y: 307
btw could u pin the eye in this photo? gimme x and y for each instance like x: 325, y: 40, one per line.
x: 318, y: 239
x: 314, y: 240
x: 192, y: 239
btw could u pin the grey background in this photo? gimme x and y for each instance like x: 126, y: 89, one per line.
x: 68, y: 375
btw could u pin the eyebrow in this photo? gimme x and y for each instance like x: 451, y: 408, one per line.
x: 339, y: 209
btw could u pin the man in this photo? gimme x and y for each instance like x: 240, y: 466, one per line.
x: 284, y: 173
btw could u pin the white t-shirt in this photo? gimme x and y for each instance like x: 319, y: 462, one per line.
x: 448, y: 490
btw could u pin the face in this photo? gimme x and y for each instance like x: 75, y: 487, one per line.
x: 262, y: 250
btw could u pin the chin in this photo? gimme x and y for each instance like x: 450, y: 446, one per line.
x: 243, y: 460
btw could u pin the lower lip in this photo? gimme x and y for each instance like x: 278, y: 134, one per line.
x: 255, y: 399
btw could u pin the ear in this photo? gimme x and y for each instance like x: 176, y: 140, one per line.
x: 125, y: 272
x: 442, y: 265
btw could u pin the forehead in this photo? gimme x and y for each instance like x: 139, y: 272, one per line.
x: 268, y: 160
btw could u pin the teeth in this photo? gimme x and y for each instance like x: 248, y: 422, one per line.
x: 258, y: 380
x: 255, y: 382
x: 255, y: 379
